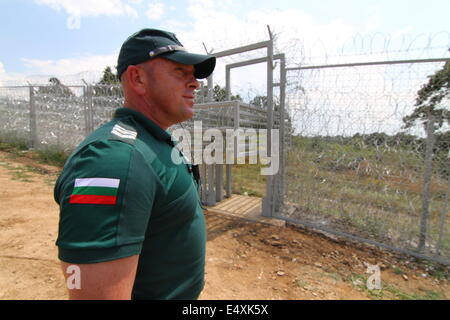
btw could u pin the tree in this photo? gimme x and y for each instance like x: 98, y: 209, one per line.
x: 259, y: 101
x: 219, y: 94
x: 109, y: 84
x: 432, y: 99
x: 109, y: 78
x: 55, y: 89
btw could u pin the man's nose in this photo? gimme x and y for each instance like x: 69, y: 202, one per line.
x: 194, y: 84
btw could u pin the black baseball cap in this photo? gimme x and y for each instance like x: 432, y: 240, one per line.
x: 150, y: 43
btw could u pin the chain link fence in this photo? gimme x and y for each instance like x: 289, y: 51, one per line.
x: 55, y: 116
x: 355, y: 171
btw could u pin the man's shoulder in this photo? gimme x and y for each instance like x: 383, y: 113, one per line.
x: 124, y: 130
x: 115, y: 141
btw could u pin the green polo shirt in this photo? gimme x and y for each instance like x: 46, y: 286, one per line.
x: 126, y: 190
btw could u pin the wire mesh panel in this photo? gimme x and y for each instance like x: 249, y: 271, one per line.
x: 355, y: 169
x: 15, y: 114
x: 102, y: 101
x: 58, y: 116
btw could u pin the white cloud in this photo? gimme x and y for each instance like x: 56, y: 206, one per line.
x: 2, y: 73
x: 155, y: 10
x: 220, y: 29
x: 70, y: 66
x: 88, y: 8
x: 9, y: 78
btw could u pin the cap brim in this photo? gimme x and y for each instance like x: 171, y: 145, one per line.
x: 204, y: 65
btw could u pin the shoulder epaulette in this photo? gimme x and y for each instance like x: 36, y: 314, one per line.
x: 123, y: 132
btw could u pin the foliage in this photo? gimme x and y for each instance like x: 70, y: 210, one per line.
x: 220, y: 94
x: 361, y: 147
x: 109, y: 78
x: 261, y: 101
x: 431, y: 100
x: 109, y: 85
x: 55, y: 89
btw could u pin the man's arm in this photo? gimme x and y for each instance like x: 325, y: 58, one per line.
x: 111, y: 280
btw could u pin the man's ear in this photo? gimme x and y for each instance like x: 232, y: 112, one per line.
x: 135, y: 77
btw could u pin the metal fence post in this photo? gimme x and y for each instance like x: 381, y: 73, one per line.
x: 211, y: 192
x: 267, y: 204
x: 88, y: 108
x: 426, y: 183
x: 442, y: 221
x: 86, y: 116
x: 279, y: 177
x: 210, y: 89
x: 33, y: 125
x: 91, y: 108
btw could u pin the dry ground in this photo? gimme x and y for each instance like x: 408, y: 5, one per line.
x: 245, y: 260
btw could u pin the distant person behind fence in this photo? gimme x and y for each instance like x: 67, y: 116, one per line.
x: 130, y: 218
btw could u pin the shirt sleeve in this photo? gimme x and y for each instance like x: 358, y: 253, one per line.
x: 106, y: 193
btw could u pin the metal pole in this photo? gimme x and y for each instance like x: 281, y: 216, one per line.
x: 426, y: 184
x: 442, y: 221
x: 254, y: 61
x: 268, y: 201
x: 250, y: 47
x: 86, y: 111
x: 228, y: 83
x: 219, y: 181
x: 33, y: 126
x: 91, y: 109
x: 282, y: 111
x: 202, y: 92
x: 210, y: 89
x: 373, y: 63
x: 204, y: 189
x: 211, y: 195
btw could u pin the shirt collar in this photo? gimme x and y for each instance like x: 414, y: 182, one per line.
x: 148, y: 124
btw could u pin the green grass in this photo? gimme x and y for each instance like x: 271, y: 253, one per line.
x: 427, y: 295
x: 17, y: 147
x: 389, y: 291
x: 17, y: 173
x: 52, y: 156
x: 248, y: 179
x: 301, y: 283
x: 373, y: 192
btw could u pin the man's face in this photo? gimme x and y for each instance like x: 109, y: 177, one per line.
x: 170, y: 93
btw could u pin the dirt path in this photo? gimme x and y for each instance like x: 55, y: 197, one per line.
x: 245, y: 260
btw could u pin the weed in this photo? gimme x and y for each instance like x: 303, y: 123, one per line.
x: 398, y: 271
x: 21, y: 175
x: 429, y: 294
x: 52, y: 156
x: 301, y: 283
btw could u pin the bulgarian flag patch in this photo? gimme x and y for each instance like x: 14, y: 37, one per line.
x: 95, y: 191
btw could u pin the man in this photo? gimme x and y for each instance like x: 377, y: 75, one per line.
x: 130, y: 216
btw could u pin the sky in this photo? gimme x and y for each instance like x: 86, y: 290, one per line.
x: 43, y: 38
